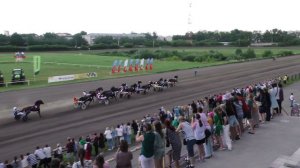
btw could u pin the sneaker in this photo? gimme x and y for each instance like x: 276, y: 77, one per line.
x: 221, y: 149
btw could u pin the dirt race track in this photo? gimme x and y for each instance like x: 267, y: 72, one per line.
x: 60, y: 120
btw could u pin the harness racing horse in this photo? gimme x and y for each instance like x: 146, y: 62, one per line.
x: 143, y: 88
x: 85, y: 100
x: 128, y: 91
x: 34, y: 108
x: 105, y: 95
x: 173, y: 81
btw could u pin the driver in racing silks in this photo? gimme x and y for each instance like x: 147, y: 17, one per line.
x: 124, y: 86
x: 17, y: 112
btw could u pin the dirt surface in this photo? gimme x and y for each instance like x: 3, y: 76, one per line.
x: 59, y: 119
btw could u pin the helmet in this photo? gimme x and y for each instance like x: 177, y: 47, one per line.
x: 15, y: 108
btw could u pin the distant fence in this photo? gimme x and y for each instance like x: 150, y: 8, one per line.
x: 26, y: 81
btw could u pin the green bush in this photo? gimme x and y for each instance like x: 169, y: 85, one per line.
x: 128, y: 45
x: 48, y: 48
x: 207, y: 43
x: 190, y: 58
x: 250, y: 53
x: 99, y: 46
x: 181, y: 43
x: 10, y: 48
x: 285, y: 53
x: 267, y: 53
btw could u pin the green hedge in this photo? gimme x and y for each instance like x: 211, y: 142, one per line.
x: 10, y: 48
x: 48, y: 48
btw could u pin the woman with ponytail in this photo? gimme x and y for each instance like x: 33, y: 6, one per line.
x: 199, y: 132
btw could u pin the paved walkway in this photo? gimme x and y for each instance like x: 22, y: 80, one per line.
x: 272, y: 144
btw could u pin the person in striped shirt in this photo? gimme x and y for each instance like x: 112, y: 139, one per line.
x: 31, y: 158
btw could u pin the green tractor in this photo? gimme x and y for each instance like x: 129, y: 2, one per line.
x: 1, y: 79
x: 18, y: 76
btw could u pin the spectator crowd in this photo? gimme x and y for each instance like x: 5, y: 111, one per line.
x: 210, y: 124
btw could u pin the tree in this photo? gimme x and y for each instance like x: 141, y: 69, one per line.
x: 78, y: 41
x: 105, y: 40
x: 83, y: 33
x: 4, y: 40
x: 17, y: 40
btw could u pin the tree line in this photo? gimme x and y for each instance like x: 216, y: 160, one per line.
x: 238, y: 38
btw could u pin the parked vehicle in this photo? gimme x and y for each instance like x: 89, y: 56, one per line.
x: 18, y: 76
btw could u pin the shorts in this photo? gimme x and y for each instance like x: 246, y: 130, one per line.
x: 233, y: 121
x: 248, y: 115
x: 262, y: 109
x: 146, y: 162
x: 190, y: 147
x: 200, y: 142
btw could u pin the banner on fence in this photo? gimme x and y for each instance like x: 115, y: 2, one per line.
x: 142, y: 64
x: 151, y: 63
x: 132, y: 65
x: 137, y: 63
x: 125, y: 65
x: 114, y: 66
x: 147, y: 64
x: 71, y: 77
x: 120, y: 65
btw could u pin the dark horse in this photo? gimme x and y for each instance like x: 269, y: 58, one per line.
x: 173, y: 81
x: 34, y: 108
x: 109, y: 94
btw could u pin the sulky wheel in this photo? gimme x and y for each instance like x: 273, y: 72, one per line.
x: 83, y: 106
x: 25, y: 118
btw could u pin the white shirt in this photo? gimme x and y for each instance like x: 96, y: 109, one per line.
x: 291, y: 97
x: 1, y: 165
x: 24, y: 162
x: 199, y: 132
x: 40, y: 154
x: 107, y: 134
x: 128, y: 129
x: 58, y: 150
x: 85, y: 146
x: 119, y: 131
x: 47, y: 151
x: 87, y: 164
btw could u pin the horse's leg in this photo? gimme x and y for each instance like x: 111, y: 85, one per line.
x: 39, y: 112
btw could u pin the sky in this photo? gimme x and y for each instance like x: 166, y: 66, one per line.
x: 165, y: 17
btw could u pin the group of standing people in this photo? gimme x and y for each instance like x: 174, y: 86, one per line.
x: 210, y: 124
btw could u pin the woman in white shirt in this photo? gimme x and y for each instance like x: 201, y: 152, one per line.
x: 199, y: 132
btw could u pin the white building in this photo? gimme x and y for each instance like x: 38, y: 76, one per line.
x: 6, y: 33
